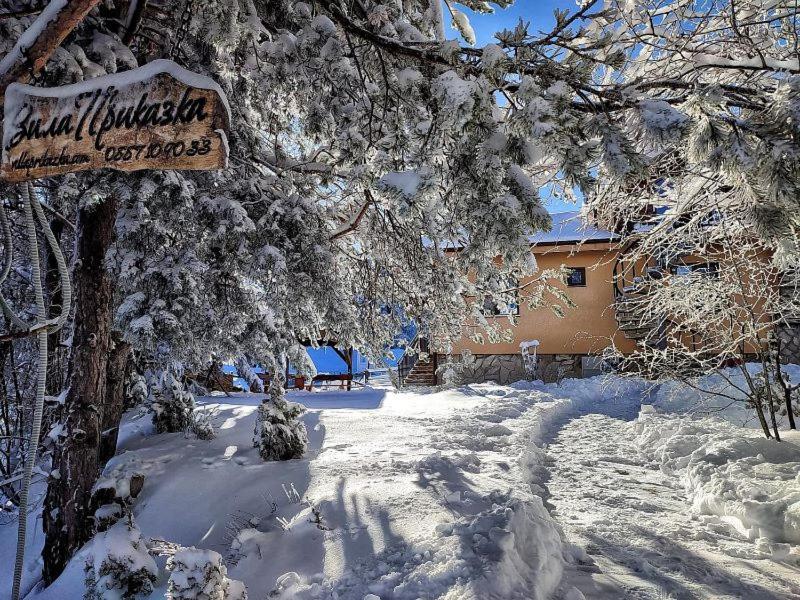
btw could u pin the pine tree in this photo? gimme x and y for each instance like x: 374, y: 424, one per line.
x: 377, y: 169
x: 279, y: 434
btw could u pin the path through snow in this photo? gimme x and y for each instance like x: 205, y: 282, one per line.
x: 426, y: 494
x: 636, y: 526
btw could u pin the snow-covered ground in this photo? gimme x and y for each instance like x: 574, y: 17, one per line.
x: 637, y: 526
x: 529, y: 491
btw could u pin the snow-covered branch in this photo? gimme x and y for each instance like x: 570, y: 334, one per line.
x: 34, y: 47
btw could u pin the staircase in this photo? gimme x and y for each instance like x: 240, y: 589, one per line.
x: 631, y: 286
x: 415, y: 370
x: 788, y: 287
x: 632, y: 323
x: 423, y: 373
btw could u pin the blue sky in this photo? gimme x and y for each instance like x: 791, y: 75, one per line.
x: 539, y: 13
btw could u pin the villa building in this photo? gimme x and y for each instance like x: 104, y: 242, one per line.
x: 572, y: 345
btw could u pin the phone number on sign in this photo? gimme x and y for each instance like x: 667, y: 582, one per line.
x: 199, y: 147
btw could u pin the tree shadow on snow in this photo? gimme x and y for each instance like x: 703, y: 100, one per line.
x: 450, y: 482
x: 368, y: 539
x: 362, y: 528
x: 667, y: 565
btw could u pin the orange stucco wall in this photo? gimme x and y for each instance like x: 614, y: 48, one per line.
x: 585, y: 329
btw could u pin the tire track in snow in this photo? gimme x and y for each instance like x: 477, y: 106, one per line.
x: 633, y: 527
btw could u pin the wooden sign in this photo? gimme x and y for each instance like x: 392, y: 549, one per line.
x: 159, y: 116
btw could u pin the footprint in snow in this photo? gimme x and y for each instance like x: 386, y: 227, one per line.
x: 497, y: 430
x: 490, y: 418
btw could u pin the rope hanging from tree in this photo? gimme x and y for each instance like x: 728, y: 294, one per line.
x: 33, y: 213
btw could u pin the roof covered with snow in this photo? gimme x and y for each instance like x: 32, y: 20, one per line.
x: 570, y: 227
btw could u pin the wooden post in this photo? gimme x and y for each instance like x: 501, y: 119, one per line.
x: 347, y: 357
x: 350, y: 368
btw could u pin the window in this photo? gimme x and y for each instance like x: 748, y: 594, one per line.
x: 709, y: 268
x: 576, y: 277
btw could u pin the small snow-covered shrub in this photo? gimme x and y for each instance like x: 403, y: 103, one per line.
x: 202, y: 424
x: 201, y: 575
x: 119, y: 566
x: 279, y: 433
x: 449, y: 374
x: 452, y: 372
x: 113, y: 494
x: 173, y: 407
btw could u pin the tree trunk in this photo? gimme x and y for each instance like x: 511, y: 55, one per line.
x: 787, y: 388
x: 67, y: 518
x: 789, y: 408
x: 783, y: 382
x: 759, y: 408
x: 772, y: 411
x: 7, y: 445
x: 770, y: 397
x: 114, y: 404
x: 763, y: 420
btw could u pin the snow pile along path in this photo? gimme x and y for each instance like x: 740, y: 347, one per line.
x: 731, y: 472
x: 623, y: 490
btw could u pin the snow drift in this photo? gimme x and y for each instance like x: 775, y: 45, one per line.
x: 729, y: 471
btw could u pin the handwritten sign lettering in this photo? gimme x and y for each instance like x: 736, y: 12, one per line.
x: 159, y: 116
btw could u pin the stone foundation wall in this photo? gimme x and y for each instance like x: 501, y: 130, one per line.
x: 500, y: 368
x: 555, y: 367
x: 790, y: 342
x: 508, y: 368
